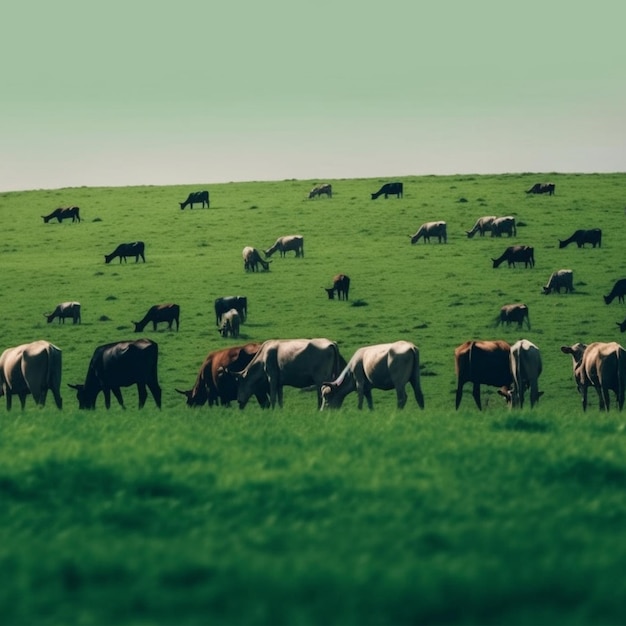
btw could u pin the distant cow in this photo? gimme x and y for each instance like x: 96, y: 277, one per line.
x: 169, y: 313
x: 31, y: 368
x: 581, y: 237
x: 618, y: 291
x: 65, y: 310
x: 324, y: 189
x: 286, y: 244
x: 482, y: 363
x: 293, y: 362
x: 431, y: 229
x: 124, y: 250
x: 482, y: 225
x: 121, y: 364
x: 215, y: 384
x: 502, y: 225
x: 525, y: 361
x: 622, y: 326
x: 560, y: 279
x: 70, y: 212
x: 599, y: 365
x: 513, y: 313
x: 390, y: 189
x: 341, y: 285
x: 252, y: 259
x: 230, y: 323
x: 196, y: 197
x: 385, y: 366
x: 224, y: 304
x: 516, y: 254
x: 548, y: 188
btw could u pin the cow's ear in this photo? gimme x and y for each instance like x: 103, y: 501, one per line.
x: 77, y: 387
x: 566, y: 350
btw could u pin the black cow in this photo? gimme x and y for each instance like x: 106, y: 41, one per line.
x: 390, y: 189
x: 581, y: 237
x: 622, y: 326
x: 61, y: 214
x: 517, y: 312
x: 543, y: 188
x: 341, y: 285
x: 224, y: 304
x: 196, y: 197
x: 121, y: 364
x: 169, y: 313
x: 515, y: 254
x: 618, y: 291
x: 135, y: 249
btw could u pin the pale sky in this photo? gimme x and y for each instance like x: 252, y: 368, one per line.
x: 137, y: 92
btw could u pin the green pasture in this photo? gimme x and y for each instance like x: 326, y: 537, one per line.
x: 292, y: 516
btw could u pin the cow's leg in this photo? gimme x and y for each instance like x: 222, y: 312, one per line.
x: 57, y: 398
x: 118, y: 396
x: 367, y: 392
x: 156, y: 392
x: 603, y: 395
x: 476, y: 394
x: 459, y: 393
x: 107, y: 397
x: 583, y: 391
x: 22, y: 397
x: 143, y: 394
x: 402, y: 397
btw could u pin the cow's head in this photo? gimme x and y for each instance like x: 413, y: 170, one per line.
x: 84, y: 400
x: 330, y: 398
x: 622, y: 326
x: 330, y: 292
x: 195, y: 397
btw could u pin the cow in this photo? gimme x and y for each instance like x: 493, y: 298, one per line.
x: 548, y: 188
x: 294, y: 362
x: 516, y: 254
x: 285, y: 244
x: 503, y: 225
x: 63, y: 311
x: 120, y: 364
x: 482, y: 225
x: 196, y: 197
x: 482, y: 363
x: 431, y: 229
x: 61, y: 214
x: 31, y: 368
x: 390, y: 189
x: 525, y: 362
x: 622, y: 326
x: 513, y: 313
x: 341, y: 285
x: 226, y: 303
x: 230, y: 323
x: 618, y: 291
x: 252, y: 258
x: 124, y: 250
x: 581, y: 237
x: 385, y: 366
x: 323, y: 189
x: 600, y: 365
x: 215, y: 384
x: 559, y: 279
x: 169, y: 313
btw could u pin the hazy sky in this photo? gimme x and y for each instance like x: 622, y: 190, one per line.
x: 132, y: 92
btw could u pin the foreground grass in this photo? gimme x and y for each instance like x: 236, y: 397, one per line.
x: 308, y: 518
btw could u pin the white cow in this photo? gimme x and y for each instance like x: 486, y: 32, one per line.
x: 431, y: 229
x: 482, y: 225
x: 31, y: 368
x: 63, y: 310
x: 525, y: 360
x: 285, y: 244
x: 384, y: 366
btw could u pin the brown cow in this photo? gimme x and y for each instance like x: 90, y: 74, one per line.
x: 341, y: 285
x: 516, y: 254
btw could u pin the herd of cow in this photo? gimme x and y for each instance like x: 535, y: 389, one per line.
x: 263, y: 369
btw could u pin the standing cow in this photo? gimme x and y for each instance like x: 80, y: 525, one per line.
x: 581, y: 237
x: 60, y: 214
x: 525, y: 361
x: 618, y: 291
x: 561, y: 279
x: 323, y: 189
x: 196, y: 197
x: 226, y: 303
x: 390, y: 189
x: 431, y: 229
x: 286, y: 244
x: 548, y: 188
x: 230, y: 323
x: 517, y: 312
x: 482, y: 225
x: 516, y: 254
x: 252, y: 259
x: 168, y: 313
x: 341, y: 285
x: 124, y: 250
x: 504, y: 225
x: 65, y: 310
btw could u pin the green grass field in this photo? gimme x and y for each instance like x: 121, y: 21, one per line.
x: 294, y: 516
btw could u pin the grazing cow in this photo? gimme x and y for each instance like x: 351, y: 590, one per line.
x: 516, y: 254
x: 293, y: 362
x: 252, y: 259
x: 169, y: 313
x: 558, y: 279
x: 622, y: 326
x: 215, y: 384
x: 482, y: 225
x: 341, y: 285
x: 124, y: 250
x: 600, y: 365
x: 482, y: 363
x: 390, y: 189
x: 61, y: 214
x: 324, y: 189
x: 548, y: 188
x: 230, y: 323
x: 513, y: 313
x: 121, y: 364
x: 196, y: 197
x: 431, y: 229
x: 285, y: 244
x: 618, y: 291
x: 525, y: 361
x: 385, y: 366
x: 503, y: 225
x: 581, y: 237
x: 31, y: 368
x: 226, y: 303
x: 63, y: 310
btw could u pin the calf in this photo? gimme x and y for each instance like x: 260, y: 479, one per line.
x: 513, y: 313
x: 560, y: 279
x: 230, y: 323
x: 341, y: 285
x: 65, y: 310
x: 525, y: 361
x: 169, y: 313
x: 618, y: 291
x: 226, y: 303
